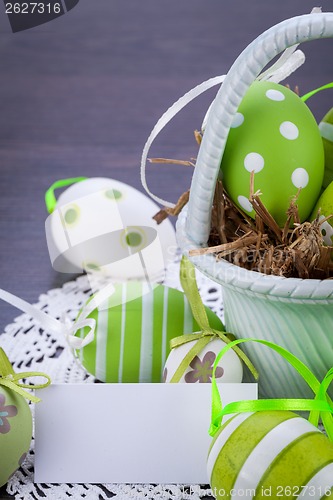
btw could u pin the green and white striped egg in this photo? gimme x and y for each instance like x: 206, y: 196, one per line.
x: 133, y: 332
x: 326, y: 132
x: 274, y: 454
x: 200, y: 369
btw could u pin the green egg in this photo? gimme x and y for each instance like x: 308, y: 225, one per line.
x: 15, y: 432
x: 275, y: 135
x: 326, y: 131
x: 270, y: 454
x: 133, y: 332
x: 325, y: 205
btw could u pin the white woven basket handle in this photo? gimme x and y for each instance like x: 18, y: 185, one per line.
x: 241, y: 75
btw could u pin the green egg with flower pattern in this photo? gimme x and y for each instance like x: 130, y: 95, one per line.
x: 15, y: 432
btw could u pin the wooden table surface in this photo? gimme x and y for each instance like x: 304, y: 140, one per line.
x: 80, y: 95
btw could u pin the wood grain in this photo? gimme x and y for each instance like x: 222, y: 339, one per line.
x: 80, y: 95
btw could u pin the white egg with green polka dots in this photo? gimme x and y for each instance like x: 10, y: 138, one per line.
x: 274, y: 135
x: 104, y: 225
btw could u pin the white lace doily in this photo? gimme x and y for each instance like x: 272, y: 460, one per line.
x: 31, y: 349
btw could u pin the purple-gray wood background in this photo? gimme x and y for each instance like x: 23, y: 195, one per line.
x: 80, y: 95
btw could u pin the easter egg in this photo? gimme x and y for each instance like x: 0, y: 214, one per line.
x: 325, y: 205
x: 103, y: 225
x: 133, y: 332
x: 326, y: 132
x: 200, y: 369
x: 270, y: 454
x: 15, y: 432
x: 275, y: 135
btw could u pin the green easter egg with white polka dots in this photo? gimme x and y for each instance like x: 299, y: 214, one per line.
x: 275, y: 135
x: 325, y: 205
x: 133, y: 332
x: 274, y: 454
x: 326, y: 132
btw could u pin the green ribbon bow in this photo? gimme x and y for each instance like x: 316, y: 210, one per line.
x: 319, y: 407
x: 189, y: 284
x: 11, y: 380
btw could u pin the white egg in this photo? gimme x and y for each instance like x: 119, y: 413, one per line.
x: 200, y: 369
x: 104, y: 225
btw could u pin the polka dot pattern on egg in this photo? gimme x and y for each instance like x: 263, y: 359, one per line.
x: 113, y: 194
x: 90, y: 266
x: 278, y: 139
x: 245, y: 203
x: 254, y: 162
x: 289, y: 130
x: 71, y: 215
x: 275, y: 95
x: 133, y: 239
x: 238, y: 120
x: 324, y: 208
x: 300, y: 178
x: 326, y: 231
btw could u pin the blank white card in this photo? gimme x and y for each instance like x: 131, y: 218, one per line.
x: 126, y: 433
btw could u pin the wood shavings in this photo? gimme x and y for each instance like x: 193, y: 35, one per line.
x: 198, y: 136
x: 165, y: 212
x: 296, y: 250
x: 171, y: 161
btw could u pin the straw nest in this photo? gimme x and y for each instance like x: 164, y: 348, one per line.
x: 296, y: 250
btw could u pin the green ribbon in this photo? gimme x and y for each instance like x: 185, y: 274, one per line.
x: 319, y: 407
x: 305, y: 97
x: 190, y: 287
x: 50, y: 199
x: 11, y: 380
x: 207, y: 333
